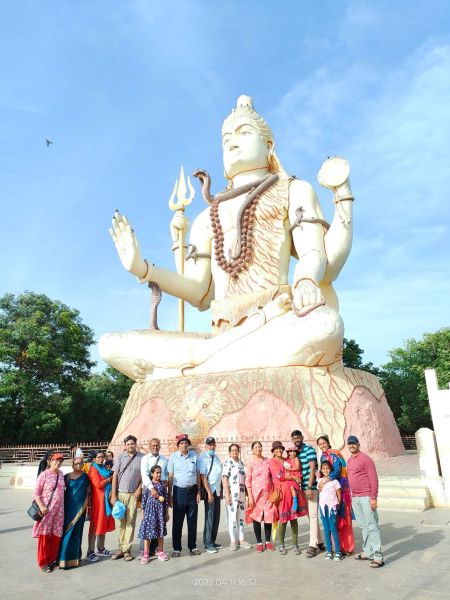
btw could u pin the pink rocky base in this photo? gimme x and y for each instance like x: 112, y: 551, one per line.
x: 231, y: 407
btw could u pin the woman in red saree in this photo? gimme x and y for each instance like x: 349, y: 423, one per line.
x: 345, y: 513
x: 101, y: 519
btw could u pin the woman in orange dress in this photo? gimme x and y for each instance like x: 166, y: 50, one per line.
x: 101, y: 518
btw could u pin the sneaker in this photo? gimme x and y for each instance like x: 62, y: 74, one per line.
x: 92, y: 556
x: 103, y: 552
x: 282, y: 549
x: 259, y: 548
x: 244, y: 544
x: 328, y: 556
x: 233, y: 547
x: 162, y: 556
x: 270, y: 546
x: 211, y: 550
x: 176, y: 554
x: 195, y: 552
x: 338, y: 556
x: 217, y: 546
x: 145, y: 559
x: 296, y: 549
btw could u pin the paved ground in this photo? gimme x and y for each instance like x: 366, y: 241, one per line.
x: 416, y: 547
x: 404, y: 465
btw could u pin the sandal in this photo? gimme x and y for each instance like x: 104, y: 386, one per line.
x: 311, y: 552
x: 361, y: 557
x: 296, y: 549
x: 282, y: 550
x: 145, y: 559
x: 47, y: 569
x: 117, y: 555
x: 127, y: 556
x: 376, y: 564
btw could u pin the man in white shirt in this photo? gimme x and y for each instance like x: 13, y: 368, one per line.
x: 148, y: 461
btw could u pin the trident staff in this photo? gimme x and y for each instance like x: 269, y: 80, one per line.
x: 180, y: 191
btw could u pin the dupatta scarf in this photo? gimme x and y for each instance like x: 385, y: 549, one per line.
x: 108, y: 487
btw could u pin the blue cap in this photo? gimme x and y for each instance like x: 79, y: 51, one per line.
x: 352, y: 439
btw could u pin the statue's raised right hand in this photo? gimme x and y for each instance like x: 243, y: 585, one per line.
x: 127, y: 245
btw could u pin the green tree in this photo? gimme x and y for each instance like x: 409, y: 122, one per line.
x: 403, y: 378
x: 98, y: 406
x: 44, y: 360
x: 352, y: 357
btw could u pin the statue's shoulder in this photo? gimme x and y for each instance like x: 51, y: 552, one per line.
x: 301, y: 193
x: 300, y: 187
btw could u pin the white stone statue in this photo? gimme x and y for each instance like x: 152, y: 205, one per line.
x: 241, y: 248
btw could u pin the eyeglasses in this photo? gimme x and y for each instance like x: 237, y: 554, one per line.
x: 77, y: 464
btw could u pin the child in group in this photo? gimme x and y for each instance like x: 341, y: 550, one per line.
x: 293, y: 467
x: 329, y: 501
x: 156, y: 515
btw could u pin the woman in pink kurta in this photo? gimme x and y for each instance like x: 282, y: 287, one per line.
x: 260, y: 509
x: 50, y: 529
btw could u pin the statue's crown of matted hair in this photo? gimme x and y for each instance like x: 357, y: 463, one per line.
x: 244, y: 110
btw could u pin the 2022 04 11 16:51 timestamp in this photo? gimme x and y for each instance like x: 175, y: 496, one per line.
x: 224, y: 581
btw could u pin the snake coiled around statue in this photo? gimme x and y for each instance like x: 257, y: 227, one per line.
x: 241, y: 257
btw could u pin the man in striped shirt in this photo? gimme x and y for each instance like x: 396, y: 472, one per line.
x: 308, y: 459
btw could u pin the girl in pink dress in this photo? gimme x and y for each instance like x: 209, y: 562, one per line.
x: 294, y: 468
x: 50, y: 529
x: 260, y: 509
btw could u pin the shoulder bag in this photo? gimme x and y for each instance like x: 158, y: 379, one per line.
x: 34, y: 511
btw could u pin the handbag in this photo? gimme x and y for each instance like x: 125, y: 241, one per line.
x: 34, y: 511
x: 203, y: 492
x: 275, y: 496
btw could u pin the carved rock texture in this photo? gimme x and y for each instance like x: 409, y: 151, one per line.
x: 265, y: 403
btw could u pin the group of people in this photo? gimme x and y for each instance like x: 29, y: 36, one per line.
x: 268, y: 493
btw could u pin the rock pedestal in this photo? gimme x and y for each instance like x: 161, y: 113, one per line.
x: 265, y: 403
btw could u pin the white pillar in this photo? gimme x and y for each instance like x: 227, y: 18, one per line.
x: 428, y: 455
x: 440, y: 413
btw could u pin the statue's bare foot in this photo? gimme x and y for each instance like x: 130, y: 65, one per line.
x: 142, y: 368
x: 280, y: 305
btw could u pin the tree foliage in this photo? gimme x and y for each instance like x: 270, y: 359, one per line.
x: 403, y: 378
x: 352, y: 357
x: 47, y: 390
x: 44, y: 359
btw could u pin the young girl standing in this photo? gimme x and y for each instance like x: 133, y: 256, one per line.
x: 329, y: 501
x: 156, y: 515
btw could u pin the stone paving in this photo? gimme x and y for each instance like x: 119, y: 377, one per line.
x: 404, y: 465
x: 416, y: 548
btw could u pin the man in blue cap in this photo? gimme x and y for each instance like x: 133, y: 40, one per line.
x: 210, y: 469
x: 363, y: 480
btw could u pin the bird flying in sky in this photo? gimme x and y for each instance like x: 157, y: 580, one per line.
x: 48, y: 142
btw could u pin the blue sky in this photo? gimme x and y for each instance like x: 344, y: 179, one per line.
x: 130, y: 90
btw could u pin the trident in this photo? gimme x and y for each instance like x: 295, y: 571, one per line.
x: 183, y: 200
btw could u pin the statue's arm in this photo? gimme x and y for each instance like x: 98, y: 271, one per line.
x: 308, y: 239
x: 196, y: 285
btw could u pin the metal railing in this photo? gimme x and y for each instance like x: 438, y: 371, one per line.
x: 34, y: 453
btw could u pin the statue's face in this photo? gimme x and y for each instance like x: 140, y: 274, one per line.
x: 243, y: 148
